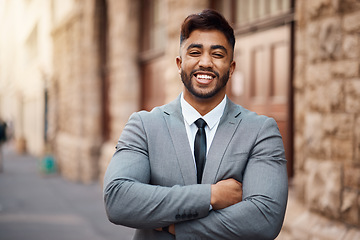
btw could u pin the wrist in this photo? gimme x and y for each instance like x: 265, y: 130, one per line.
x: 171, y: 229
x: 212, y: 196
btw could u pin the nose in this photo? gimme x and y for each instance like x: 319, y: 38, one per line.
x: 205, y: 61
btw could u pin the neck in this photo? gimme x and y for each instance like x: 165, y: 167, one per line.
x: 203, y: 106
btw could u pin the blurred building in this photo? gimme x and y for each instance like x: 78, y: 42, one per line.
x: 25, y: 70
x: 72, y: 72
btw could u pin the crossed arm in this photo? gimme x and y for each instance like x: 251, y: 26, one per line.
x: 223, y: 194
x: 131, y: 201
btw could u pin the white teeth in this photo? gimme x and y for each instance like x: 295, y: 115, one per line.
x: 204, y: 76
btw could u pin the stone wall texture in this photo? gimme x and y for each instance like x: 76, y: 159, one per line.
x: 74, y: 96
x: 327, y: 112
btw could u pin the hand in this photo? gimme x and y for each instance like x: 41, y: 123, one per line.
x: 225, y: 193
x: 172, y: 229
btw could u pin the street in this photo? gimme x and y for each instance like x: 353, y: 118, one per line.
x: 38, y: 206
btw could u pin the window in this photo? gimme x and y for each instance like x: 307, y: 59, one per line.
x: 153, y: 42
x: 153, y: 25
x: 248, y: 11
x: 250, y: 15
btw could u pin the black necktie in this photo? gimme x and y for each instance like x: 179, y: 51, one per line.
x: 200, y: 148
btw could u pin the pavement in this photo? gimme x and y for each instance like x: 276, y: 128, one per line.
x: 39, y: 206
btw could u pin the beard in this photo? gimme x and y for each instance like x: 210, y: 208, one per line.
x: 205, y: 94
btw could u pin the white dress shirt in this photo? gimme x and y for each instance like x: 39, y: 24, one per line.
x: 212, y: 120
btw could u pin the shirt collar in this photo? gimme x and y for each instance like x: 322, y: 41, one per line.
x: 191, y: 115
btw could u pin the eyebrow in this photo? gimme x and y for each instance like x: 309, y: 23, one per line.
x: 213, y: 47
x: 194, y: 45
x: 218, y: 47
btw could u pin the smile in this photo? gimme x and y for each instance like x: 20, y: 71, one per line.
x: 204, y: 78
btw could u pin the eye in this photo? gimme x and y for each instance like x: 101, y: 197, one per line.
x: 194, y: 53
x: 218, y: 55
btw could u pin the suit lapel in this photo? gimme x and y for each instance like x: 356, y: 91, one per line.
x: 175, y: 124
x: 226, y: 129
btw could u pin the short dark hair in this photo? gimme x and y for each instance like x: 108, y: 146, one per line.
x: 207, y: 20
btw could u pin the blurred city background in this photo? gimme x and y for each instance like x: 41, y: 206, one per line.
x: 72, y: 72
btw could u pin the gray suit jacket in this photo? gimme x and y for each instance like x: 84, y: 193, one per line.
x: 151, y: 179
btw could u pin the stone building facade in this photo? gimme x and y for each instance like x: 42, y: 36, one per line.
x: 327, y: 118
x: 25, y: 71
x: 75, y: 127
x: 103, y: 67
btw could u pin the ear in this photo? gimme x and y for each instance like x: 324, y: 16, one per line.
x: 178, y: 63
x: 232, y: 68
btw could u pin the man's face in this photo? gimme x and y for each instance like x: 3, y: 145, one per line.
x: 205, y: 64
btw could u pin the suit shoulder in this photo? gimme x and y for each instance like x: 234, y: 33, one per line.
x: 158, y: 112
x: 244, y: 113
x: 255, y: 120
x: 146, y: 116
x: 251, y: 115
x: 153, y: 116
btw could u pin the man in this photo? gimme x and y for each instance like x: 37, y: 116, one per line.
x: 173, y: 179
x: 3, y: 139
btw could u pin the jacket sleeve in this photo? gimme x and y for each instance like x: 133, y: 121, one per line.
x: 265, y: 188
x: 131, y: 200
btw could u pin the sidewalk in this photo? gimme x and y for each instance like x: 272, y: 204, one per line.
x: 34, y: 206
